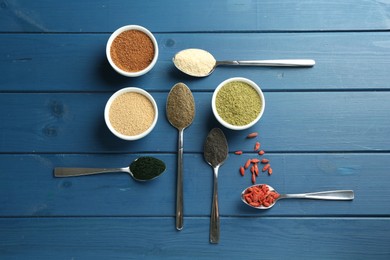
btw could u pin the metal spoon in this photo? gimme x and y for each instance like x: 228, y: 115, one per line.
x: 149, y: 170
x: 215, y: 153
x: 322, y: 195
x: 200, y: 63
x: 180, y: 113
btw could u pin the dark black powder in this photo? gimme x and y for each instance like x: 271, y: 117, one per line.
x: 146, y: 168
x: 215, y: 147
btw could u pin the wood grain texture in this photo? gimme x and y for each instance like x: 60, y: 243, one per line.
x: 324, y: 128
x: 28, y: 187
x: 151, y: 238
x: 74, y: 62
x: 179, y: 16
x: 292, y: 121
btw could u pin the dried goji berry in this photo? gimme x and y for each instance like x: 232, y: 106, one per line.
x: 255, y: 160
x: 247, y: 164
x: 252, y: 135
x: 266, y: 167
x: 257, y: 146
x: 242, y: 171
x: 270, y: 171
x: 253, y: 178
x: 261, y: 152
x: 238, y: 152
x: 264, y: 161
x: 256, y: 170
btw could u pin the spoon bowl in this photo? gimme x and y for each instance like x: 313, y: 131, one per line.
x: 263, y: 196
x: 215, y: 153
x: 141, y: 169
x: 180, y: 110
x: 201, y: 63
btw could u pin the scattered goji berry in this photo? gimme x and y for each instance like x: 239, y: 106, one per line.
x: 242, y: 171
x: 255, y: 160
x: 257, y: 146
x: 264, y: 161
x: 256, y: 170
x: 247, y: 164
x: 266, y: 167
x: 252, y: 135
x: 269, y: 171
x: 238, y: 152
x: 253, y: 178
x: 261, y: 152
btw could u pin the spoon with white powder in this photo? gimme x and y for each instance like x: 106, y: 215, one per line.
x: 200, y: 63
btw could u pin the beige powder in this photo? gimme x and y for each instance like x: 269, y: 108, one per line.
x: 194, y: 62
x: 131, y: 113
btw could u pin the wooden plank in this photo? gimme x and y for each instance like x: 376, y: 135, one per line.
x: 293, y: 121
x: 28, y: 187
x: 74, y: 62
x: 179, y: 16
x: 151, y: 238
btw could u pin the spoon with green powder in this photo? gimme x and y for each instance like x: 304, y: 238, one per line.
x: 215, y: 153
x: 180, y: 110
x: 200, y: 63
x: 141, y: 169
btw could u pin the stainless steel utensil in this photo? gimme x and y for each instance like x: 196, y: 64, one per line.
x: 215, y: 153
x: 149, y: 173
x: 212, y: 63
x: 175, y: 115
x: 322, y: 195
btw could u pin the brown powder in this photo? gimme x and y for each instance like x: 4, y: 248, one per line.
x: 132, y: 50
x: 131, y: 113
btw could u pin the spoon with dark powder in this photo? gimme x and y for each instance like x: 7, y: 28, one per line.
x: 180, y: 110
x: 215, y: 153
x: 141, y: 169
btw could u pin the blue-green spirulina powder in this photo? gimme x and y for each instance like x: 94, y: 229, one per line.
x: 238, y: 103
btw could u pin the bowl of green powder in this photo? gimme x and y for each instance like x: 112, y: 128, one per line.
x: 238, y: 103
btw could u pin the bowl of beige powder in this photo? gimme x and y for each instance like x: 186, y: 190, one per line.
x: 131, y: 113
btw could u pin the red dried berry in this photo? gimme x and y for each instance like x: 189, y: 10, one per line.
x: 264, y: 161
x: 255, y: 160
x: 242, y: 171
x: 238, y: 152
x: 247, y: 164
x: 266, y: 167
x: 252, y: 135
x: 261, y: 152
x: 257, y: 146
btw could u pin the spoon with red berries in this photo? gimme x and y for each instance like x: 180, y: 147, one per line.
x: 263, y: 196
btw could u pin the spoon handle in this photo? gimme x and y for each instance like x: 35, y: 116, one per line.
x: 271, y: 63
x: 72, y: 172
x: 323, y: 195
x: 179, y: 184
x: 214, y: 220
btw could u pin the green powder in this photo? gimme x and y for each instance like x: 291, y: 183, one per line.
x: 238, y: 103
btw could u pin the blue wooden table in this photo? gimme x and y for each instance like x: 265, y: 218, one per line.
x: 324, y: 128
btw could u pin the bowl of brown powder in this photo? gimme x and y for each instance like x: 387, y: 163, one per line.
x: 131, y: 113
x: 132, y: 50
x: 238, y: 103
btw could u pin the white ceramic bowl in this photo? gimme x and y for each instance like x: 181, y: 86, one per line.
x: 108, y: 106
x: 223, y: 122
x: 119, y: 31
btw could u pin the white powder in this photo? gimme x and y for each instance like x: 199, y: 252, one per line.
x: 194, y: 62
